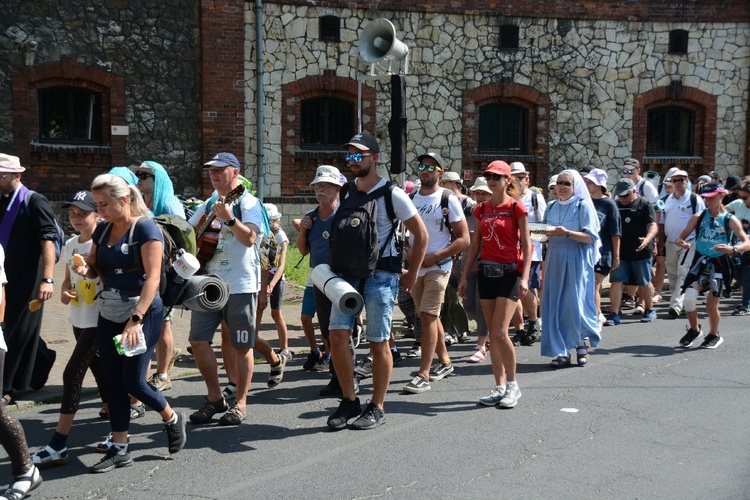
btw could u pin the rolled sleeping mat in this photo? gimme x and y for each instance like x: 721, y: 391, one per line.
x: 206, y: 293
x: 341, y: 294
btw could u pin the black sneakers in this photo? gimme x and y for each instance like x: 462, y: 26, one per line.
x: 688, y: 339
x: 372, y: 417
x: 346, y: 411
x: 112, y: 461
x: 712, y: 341
x: 176, y: 435
x: 418, y: 385
x: 312, y: 359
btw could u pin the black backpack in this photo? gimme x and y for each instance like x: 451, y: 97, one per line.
x: 354, y: 242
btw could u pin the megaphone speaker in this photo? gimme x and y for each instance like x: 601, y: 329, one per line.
x: 378, y: 42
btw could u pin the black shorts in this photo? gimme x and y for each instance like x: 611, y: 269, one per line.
x: 505, y: 287
x: 603, y: 270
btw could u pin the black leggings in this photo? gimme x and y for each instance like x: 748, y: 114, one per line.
x: 85, y: 355
x: 12, y: 437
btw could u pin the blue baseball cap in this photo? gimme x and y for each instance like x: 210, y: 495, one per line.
x: 223, y: 160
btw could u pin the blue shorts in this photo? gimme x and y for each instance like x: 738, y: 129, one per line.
x: 535, y: 275
x: 632, y: 272
x: 308, y: 302
x: 380, y: 297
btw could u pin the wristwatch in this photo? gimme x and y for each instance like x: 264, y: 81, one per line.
x: 231, y: 222
x: 48, y: 280
x: 734, y: 249
x: 136, y: 318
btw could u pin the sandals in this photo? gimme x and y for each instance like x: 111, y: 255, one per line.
x: 478, y: 356
x: 208, y: 410
x: 560, y: 362
x: 16, y: 493
x: 582, y: 355
x: 50, y: 457
x: 137, y: 411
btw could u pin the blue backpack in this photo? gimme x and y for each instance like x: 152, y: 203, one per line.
x: 59, y: 240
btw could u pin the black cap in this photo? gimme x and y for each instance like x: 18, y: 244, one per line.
x: 363, y: 141
x: 83, y: 200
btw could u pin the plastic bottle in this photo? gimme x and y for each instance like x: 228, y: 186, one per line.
x: 128, y: 351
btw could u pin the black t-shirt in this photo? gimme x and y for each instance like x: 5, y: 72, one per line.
x: 635, y: 220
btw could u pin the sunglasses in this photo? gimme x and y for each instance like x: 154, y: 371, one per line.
x: 144, y: 175
x: 678, y: 181
x: 564, y: 183
x: 494, y: 177
x: 357, y: 157
x: 629, y: 172
x: 430, y: 168
x: 552, y: 187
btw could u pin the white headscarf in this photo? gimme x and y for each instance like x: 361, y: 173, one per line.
x: 581, y: 191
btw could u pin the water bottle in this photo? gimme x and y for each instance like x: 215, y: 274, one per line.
x: 126, y: 350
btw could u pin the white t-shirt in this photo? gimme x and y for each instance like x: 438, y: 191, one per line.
x: 84, y: 311
x: 402, y: 207
x: 431, y: 212
x: 647, y: 191
x: 740, y: 210
x: 236, y: 264
x: 535, y: 216
x: 677, y: 213
x: 281, y: 238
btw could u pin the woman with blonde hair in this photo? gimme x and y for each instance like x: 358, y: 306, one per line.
x: 502, y: 222
x: 127, y: 253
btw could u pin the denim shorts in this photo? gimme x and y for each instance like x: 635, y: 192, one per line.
x: 632, y: 272
x: 380, y: 297
x: 308, y: 302
x: 535, y: 275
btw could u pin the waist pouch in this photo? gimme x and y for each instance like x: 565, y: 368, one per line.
x: 391, y: 264
x: 116, y: 306
x: 496, y: 269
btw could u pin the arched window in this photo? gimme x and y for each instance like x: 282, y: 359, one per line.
x: 503, y: 128
x: 670, y: 131
x: 326, y: 122
x: 70, y: 115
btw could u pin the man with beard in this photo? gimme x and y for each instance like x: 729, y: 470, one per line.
x: 379, y: 289
x: 429, y: 290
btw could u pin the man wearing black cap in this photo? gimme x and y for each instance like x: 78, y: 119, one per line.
x: 379, y: 290
x: 638, y: 232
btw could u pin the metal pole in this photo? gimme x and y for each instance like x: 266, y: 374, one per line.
x: 260, y: 97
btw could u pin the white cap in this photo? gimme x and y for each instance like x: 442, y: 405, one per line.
x: 329, y: 174
x: 273, y: 211
x: 552, y: 181
x: 480, y: 185
x: 451, y: 176
x: 517, y: 168
x: 597, y: 176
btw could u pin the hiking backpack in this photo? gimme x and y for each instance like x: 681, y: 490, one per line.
x: 178, y: 235
x: 59, y: 240
x: 354, y: 243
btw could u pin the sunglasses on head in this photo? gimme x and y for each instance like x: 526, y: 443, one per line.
x: 494, y: 177
x: 430, y: 168
x: 355, y: 156
x: 144, y: 175
x: 629, y: 171
x: 564, y: 183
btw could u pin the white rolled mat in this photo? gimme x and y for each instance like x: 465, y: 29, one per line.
x: 205, y: 293
x: 339, y: 291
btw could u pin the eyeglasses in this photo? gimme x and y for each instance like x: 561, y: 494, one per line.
x: 678, y: 181
x: 429, y: 168
x: 494, y: 177
x: 144, y: 175
x: 357, y: 157
x: 628, y: 172
x: 564, y: 183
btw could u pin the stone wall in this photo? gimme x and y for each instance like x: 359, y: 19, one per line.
x: 592, y: 72
x: 153, y: 45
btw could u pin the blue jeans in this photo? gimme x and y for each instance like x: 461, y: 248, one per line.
x: 380, y: 297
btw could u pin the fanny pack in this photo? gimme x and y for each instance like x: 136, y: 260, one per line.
x: 116, y: 306
x: 496, y: 269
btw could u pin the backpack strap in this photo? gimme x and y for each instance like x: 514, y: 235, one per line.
x: 388, y: 198
x: 693, y: 201
x: 534, y: 202
x: 135, y: 257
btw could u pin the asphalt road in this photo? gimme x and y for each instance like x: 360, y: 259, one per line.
x: 644, y: 419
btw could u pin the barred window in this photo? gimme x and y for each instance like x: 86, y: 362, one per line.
x: 503, y: 128
x: 670, y: 131
x: 326, y: 122
x: 70, y: 115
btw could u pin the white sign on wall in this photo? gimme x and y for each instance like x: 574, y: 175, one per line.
x: 120, y: 130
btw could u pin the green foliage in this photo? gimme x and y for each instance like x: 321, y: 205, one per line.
x: 296, y: 275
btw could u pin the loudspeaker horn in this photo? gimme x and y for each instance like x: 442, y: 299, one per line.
x: 378, y: 42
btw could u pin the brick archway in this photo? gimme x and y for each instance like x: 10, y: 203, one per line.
x: 507, y: 91
x: 703, y: 104
x: 68, y: 168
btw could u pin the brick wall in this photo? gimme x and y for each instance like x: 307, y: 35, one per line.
x: 223, y: 82
x: 729, y: 11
